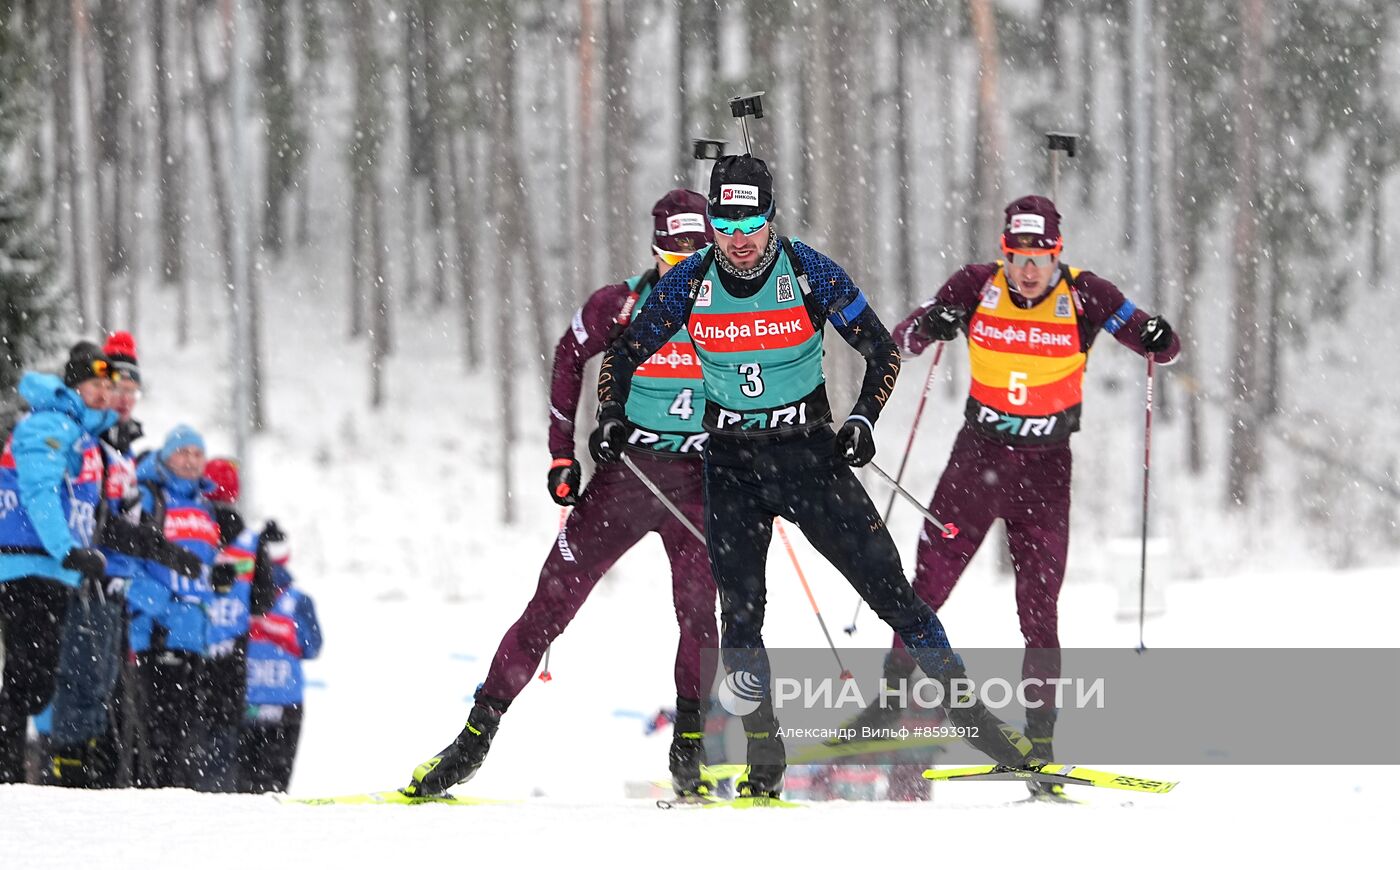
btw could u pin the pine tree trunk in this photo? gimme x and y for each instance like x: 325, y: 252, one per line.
x: 381, y: 340
x: 173, y: 188
x: 1244, y: 445
x: 67, y: 180
x: 1087, y: 51
x: 945, y: 162
x: 415, y: 165
x: 987, y: 196
x: 1125, y: 117
x: 685, y: 124
x: 505, y: 202
x: 110, y: 34
x: 359, y: 274
x: 820, y: 207
x: 437, y: 145
x: 903, y: 177
x: 1051, y: 13
x: 463, y: 154
x: 585, y: 246
x: 281, y: 151
x: 170, y: 204
x: 214, y: 153
x: 619, y: 216
x: 365, y: 148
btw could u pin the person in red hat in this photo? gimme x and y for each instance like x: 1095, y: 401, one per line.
x: 1030, y: 322
x: 224, y: 677
x: 615, y: 510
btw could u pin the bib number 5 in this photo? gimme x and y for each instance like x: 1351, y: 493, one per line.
x: 753, y: 380
x: 1016, y: 388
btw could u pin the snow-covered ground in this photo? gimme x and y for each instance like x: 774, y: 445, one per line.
x: 392, y: 688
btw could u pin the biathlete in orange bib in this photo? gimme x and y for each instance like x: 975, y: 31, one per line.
x: 1030, y: 321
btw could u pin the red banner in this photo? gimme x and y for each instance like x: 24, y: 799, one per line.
x: 676, y: 359
x: 1027, y: 337
x: 751, y: 330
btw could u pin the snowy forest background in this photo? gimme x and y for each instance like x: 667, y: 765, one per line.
x: 424, y: 190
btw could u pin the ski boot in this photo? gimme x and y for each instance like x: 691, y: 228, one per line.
x: 767, y: 756
x: 1040, y: 729
x: 991, y: 736
x: 461, y: 759
x: 688, y: 751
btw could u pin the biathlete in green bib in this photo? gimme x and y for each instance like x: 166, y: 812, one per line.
x: 755, y: 305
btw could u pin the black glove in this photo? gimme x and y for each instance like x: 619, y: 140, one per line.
x: 222, y: 577
x: 272, y: 532
x: 1156, y: 334
x: 180, y: 560
x: 941, y: 323
x: 607, y: 441
x: 230, y: 522
x: 564, y: 481
x: 855, y: 443
x: 87, y: 562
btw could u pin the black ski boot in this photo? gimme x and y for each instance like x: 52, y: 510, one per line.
x: 462, y: 758
x: 688, y: 750
x: 991, y: 736
x: 767, y: 756
x: 1040, y: 729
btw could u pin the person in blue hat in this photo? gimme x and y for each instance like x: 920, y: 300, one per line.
x: 169, y: 616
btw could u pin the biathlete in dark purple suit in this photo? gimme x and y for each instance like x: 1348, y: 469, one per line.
x: 615, y: 511
x: 1030, y: 321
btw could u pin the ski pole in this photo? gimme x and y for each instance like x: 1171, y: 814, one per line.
x: 1146, y: 478
x: 545, y: 675
x: 908, y: 448
x: 811, y: 599
x: 661, y: 497
x: 949, y: 530
x: 676, y: 512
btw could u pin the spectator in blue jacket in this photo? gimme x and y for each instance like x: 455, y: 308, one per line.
x: 50, y: 485
x: 278, y: 640
x: 169, y: 611
x: 85, y: 743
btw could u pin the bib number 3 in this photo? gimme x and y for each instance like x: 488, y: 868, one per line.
x: 753, y: 380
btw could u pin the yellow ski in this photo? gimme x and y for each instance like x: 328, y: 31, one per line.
x: 1066, y: 774
x: 389, y: 798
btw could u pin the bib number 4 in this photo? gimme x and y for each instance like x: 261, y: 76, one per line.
x: 753, y: 380
x: 681, y: 406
